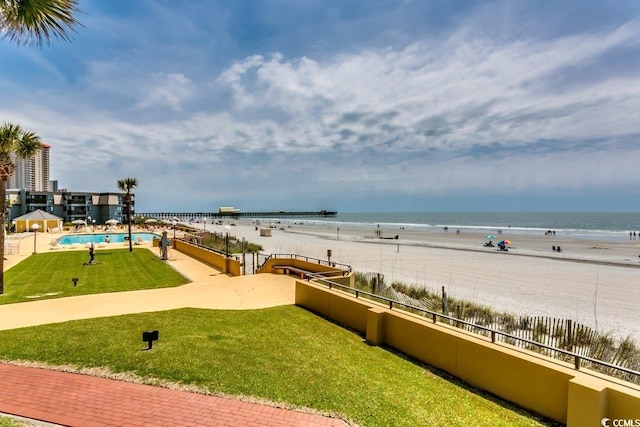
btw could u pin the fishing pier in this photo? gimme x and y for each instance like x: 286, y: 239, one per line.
x: 236, y: 214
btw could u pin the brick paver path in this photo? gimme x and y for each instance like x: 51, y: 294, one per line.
x: 81, y: 400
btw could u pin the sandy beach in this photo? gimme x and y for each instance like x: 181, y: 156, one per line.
x: 594, y: 282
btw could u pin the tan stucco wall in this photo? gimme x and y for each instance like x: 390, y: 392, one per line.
x: 226, y: 265
x: 543, y: 385
x: 23, y: 225
x: 338, y: 277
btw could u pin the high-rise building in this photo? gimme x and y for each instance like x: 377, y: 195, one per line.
x: 32, y: 174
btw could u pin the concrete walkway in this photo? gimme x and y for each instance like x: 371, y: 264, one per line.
x: 80, y: 400
x: 209, y: 288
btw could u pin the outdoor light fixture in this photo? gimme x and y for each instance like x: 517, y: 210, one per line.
x: 149, y: 338
x: 35, y: 227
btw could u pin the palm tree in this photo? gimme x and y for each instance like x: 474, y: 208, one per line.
x: 34, y: 22
x: 127, y: 185
x: 31, y: 22
x: 14, y: 141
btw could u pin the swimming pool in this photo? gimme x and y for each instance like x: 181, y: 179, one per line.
x: 100, y: 238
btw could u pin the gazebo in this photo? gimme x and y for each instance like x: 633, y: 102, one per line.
x: 45, y: 221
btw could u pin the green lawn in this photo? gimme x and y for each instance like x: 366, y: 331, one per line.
x: 49, y: 275
x: 283, y: 354
x: 9, y: 422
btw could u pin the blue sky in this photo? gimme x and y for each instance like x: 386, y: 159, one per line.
x: 355, y: 106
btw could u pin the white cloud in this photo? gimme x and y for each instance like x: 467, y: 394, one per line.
x: 467, y: 112
x: 171, y: 90
x: 448, y: 95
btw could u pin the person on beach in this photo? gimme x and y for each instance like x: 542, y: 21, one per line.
x: 91, y: 253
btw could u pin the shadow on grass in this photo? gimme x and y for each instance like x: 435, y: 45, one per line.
x: 482, y: 393
x: 444, y: 375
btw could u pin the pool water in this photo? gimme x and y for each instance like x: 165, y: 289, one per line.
x: 100, y: 238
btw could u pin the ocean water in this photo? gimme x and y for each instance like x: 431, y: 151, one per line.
x: 586, y: 225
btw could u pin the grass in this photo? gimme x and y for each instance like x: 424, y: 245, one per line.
x: 48, y: 275
x: 10, y: 422
x: 282, y: 354
x: 218, y: 241
x: 600, y: 345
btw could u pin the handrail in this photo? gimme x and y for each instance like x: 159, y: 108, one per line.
x: 219, y: 252
x: 345, y: 268
x: 435, y: 315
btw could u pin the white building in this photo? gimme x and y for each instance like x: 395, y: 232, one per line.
x: 32, y: 174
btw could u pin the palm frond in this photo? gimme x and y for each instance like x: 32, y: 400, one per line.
x: 36, y: 22
x: 28, y: 145
x: 127, y: 184
x: 15, y: 140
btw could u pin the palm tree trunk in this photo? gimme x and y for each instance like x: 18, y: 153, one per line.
x: 128, y: 203
x: 3, y: 195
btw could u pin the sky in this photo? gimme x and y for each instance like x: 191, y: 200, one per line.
x: 347, y: 105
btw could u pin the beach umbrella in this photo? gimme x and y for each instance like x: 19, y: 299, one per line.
x: 489, y: 236
x: 505, y: 242
x: 79, y: 222
x: 150, y: 221
x: 112, y: 222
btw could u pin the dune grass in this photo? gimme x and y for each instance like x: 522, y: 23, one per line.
x: 282, y: 354
x: 48, y: 275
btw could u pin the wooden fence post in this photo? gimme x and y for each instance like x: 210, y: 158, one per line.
x: 444, y: 301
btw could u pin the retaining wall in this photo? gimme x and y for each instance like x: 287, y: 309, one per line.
x: 219, y: 261
x: 541, y: 384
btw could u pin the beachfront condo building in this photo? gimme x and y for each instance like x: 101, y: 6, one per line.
x: 94, y: 208
x: 32, y: 174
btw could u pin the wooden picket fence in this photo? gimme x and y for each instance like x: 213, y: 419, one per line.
x: 563, y: 334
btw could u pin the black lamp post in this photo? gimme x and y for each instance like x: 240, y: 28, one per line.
x: 35, y: 227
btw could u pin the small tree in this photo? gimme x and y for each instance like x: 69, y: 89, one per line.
x: 14, y: 141
x: 127, y: 185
